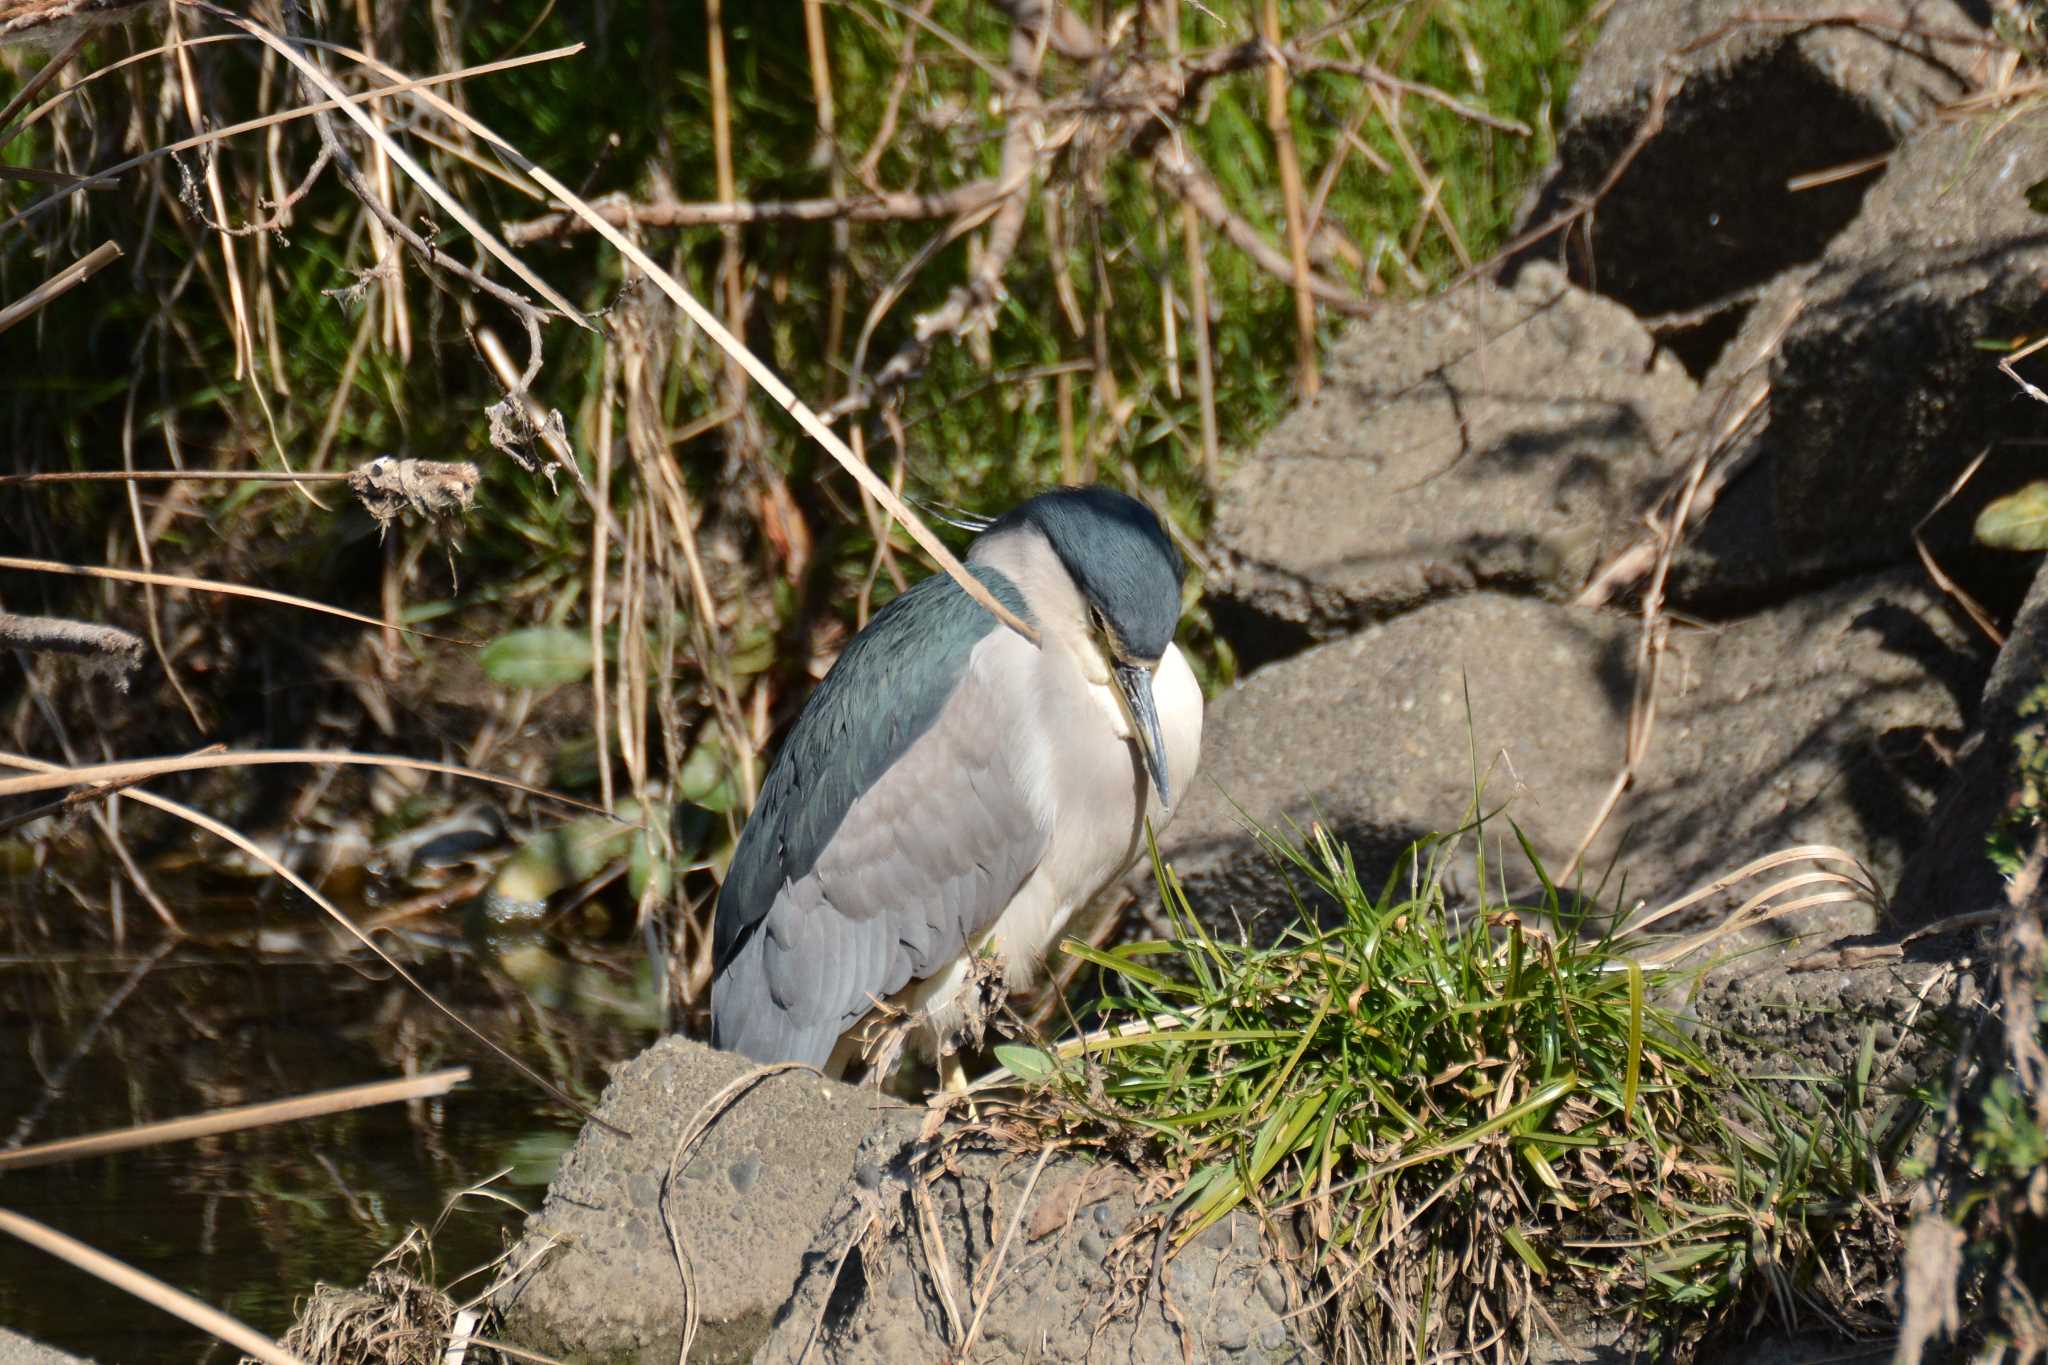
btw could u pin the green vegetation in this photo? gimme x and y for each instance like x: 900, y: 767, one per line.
x: 656, y: 613
x: 719, y: 555
x: 1480, y: 1120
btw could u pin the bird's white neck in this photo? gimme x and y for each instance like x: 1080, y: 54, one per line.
x: 1025, y: 557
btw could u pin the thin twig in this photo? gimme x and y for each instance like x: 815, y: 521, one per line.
x: 59, y: 284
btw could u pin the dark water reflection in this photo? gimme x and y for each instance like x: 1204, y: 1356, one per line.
x: 250, y: 1221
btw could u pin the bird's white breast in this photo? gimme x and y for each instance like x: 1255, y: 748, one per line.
x: 1091, y: 785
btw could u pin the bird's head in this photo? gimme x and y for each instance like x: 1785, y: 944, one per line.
x: 1129, y: 573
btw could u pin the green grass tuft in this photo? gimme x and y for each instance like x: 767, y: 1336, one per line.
x: 1475, y: 1121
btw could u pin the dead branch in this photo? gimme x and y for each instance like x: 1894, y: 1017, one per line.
x: 967, y: 305
x: 883, y: 207
x: 113, y: 651
x: 1190, y: 182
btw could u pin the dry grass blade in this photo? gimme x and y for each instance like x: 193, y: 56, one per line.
x: 49, y: 72
x: 147, y: 1288
x: 59, y: 284
x: 171, y: 580
x: 1002, y: 1252
x: 1980, y: 617
x: 217, y: 135
x: 758, y: 370
x: 400, y: 157
x: 333, y: 912
x: 707, y: 1115
x: 50, y: 777
x: 313, y: 1105
x: 1764, y: 906
x: 1801, y: 853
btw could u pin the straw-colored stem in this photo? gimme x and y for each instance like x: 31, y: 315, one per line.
x: 1309, y: 378
x: 147, y: 1288
x: 186, y: 1129
x: 59, y: 284
x: 835, y: 179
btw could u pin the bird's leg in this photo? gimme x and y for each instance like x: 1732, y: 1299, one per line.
x: 953, y: 1079
x: 844, y: 1054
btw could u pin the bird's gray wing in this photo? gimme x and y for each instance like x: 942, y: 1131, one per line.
x: 898, y: 822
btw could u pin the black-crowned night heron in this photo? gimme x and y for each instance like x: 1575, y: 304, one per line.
x: 953, y: 793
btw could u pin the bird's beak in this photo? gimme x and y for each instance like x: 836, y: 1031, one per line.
x: 1135, y: 683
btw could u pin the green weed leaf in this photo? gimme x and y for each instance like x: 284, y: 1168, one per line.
x: 2018, y: 521
x: 541, y: 656
x: 1028, y: 1063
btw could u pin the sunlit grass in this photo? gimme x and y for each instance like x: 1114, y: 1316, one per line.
x: 1478, y: 1115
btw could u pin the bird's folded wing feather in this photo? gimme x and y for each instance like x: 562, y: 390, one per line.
x: 923, y: 860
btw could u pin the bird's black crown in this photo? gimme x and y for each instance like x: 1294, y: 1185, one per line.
x: 1119, y: 555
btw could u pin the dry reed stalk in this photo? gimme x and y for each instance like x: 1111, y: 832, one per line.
x: 1063, y: 396
x: 643, y: 346
x: 1195, y: 257
x: 59, y: 284
x: 238, y: 304
x: 600, y: 563
x: 1281, y: 127
x: 166, y: 580
x: 313, y: 1105
x: 784, y: 396
x: 53, y: 777
x: 836, y: 279
x: 33, y: 86
x: 147, y: 1288
x: 721, y: 153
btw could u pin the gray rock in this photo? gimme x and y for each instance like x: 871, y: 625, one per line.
x: 1816, y: 722
x: 1704, y: 212
x: 16, y: 1349
x: 746, y: 1204
x: 1790, y: 1011
x: 881, y: 1275
x: 1877, y: 391
x: 1369, y: 735
x: 1820, y: 721
x: 1484, y: 438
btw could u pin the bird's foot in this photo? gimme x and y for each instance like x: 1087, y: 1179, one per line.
x: 953, y: 1079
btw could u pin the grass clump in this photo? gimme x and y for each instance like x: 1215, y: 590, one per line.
x: 1475, y: 1127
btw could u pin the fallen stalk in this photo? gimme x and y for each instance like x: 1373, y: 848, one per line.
x: 148, y: 1288
x: 192, y: 1126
